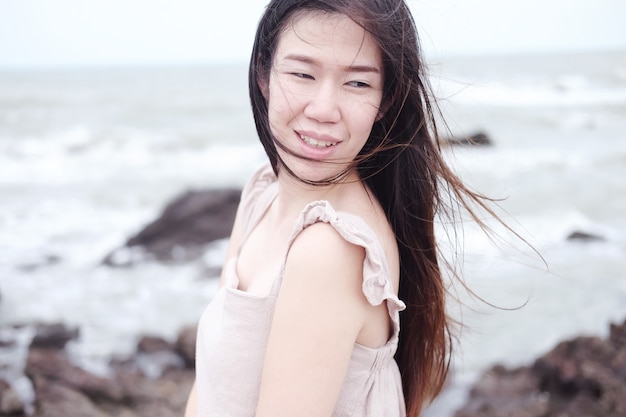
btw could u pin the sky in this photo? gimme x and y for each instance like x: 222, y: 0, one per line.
x: 67, y: 33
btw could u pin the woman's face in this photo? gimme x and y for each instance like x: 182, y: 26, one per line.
x: 324, y: 92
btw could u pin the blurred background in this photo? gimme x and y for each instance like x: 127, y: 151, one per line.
x: 109, y: 109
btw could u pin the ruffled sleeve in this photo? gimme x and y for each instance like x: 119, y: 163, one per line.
x: 377, y: 286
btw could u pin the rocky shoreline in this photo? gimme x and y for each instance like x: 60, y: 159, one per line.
x: 585, y: 376
x: 154, y: 381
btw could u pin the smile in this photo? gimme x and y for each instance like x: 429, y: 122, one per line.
x: 316, y: 143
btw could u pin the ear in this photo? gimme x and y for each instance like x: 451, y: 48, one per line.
x: 263, y: 86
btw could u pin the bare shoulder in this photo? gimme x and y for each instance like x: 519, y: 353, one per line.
x: 326, y: 272
x: 320, y: 249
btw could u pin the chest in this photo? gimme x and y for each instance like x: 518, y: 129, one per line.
x: 261, y: 258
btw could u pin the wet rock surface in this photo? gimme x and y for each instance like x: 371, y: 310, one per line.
x: 582, y: 236
x: 10, y: 401
x: 155, y: 381
x: 181, y: 233
x: 585, y: 376
x: 475, y: 139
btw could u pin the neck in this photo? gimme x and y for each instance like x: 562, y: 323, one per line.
x: 294, y: 195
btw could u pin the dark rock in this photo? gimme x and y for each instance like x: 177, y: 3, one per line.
x: 617, y: 336
x: 155, y: 355
x: 168, y: 393
x: 58, y: 400
x: 476, y: 139
x: 155, y: 381
x: 54, y: 365
x: 562, y: 368
x: 53, y: 336
x: 186, y: 345
x: 7, y: 343
x: 186, y: 225
x: 501, y: 392
x: 39, y: 261
x: 152, y: 344
x: 10, y: 401
x: 585, y: 237
x: 585, y: 376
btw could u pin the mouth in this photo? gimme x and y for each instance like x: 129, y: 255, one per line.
x: 316, y: 143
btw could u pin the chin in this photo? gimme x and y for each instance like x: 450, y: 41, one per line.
x: 314, y: 170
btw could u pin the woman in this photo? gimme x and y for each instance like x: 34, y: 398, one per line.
x: 335, y: 237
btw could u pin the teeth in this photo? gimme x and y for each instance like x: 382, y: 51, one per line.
x: 315, y: 142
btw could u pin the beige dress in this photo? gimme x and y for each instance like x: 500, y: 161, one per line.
x: 234, y: 329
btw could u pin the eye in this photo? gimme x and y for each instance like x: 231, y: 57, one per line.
x: 358, y: 84
x: 302, y: 75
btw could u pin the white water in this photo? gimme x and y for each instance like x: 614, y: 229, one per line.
x: 88, y: 157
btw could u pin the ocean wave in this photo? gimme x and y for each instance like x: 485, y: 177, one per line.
x: 573, y: 91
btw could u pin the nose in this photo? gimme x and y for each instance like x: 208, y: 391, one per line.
x: 323, y: 105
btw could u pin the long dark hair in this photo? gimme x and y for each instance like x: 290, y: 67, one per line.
x: 402, y: 164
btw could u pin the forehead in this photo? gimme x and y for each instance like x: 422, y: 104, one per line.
x: 331, y: 37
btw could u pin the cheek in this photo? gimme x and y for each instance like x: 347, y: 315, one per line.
x: 279, y: 110
x: 366, y: 115
x: 286, y: 97
x: 278, y: 103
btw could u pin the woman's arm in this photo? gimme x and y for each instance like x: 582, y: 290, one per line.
x: 233, y: 243
x: 319, y: 313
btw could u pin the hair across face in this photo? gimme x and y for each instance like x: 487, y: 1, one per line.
x: 386, y: 23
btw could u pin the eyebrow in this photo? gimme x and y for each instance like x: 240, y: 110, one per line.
x: 349, y: 68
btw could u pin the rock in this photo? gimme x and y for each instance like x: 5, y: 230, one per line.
x: 58, y: 400
x: 155, y: 355
x: 580, y: 372
x: 154, y: 381
x: 152, y: 344
x: 38, y: 261
x: 186, y: 345
x: 165, y: 396
x: 476, y: 139
x: 186, y: 225
x: 10, y: 401
x: 585, y: 237
x: 617, y: 335
x: 501, y: 392
x: 53, y: 336
x: 7, y: 343
x: 585, y: 376
x: 54, y: 365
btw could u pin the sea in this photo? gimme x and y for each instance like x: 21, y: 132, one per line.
x: 89, y: 156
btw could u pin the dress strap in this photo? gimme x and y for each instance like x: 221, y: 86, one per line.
x: 256, y: 198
